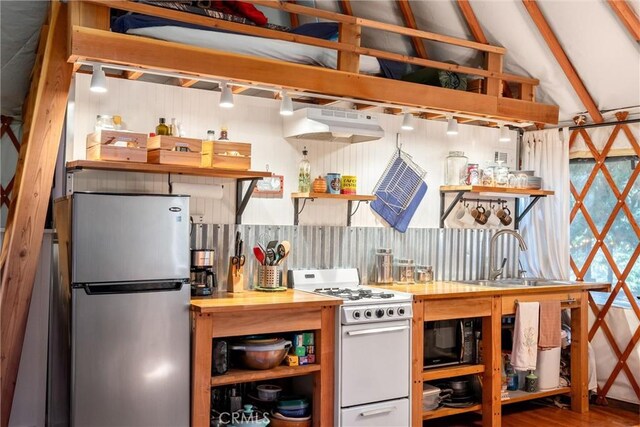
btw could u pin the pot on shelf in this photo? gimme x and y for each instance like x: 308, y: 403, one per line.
x: 262, y: 353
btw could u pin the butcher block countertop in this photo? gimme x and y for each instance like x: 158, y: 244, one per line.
x: 448, y: 289
x: 254, y: 300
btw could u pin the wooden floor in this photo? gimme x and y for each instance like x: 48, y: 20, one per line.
x: 532, y: 415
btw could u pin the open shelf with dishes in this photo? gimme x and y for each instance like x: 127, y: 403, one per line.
x: 495, y: 193
x: 349, y: 198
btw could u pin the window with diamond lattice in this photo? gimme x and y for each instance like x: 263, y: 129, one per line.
x: 600, y: 202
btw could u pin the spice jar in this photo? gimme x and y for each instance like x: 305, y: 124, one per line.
x: 405, y: 270
x: 424, y: 274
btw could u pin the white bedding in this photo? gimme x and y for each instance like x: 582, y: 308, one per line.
x: 257, y: 46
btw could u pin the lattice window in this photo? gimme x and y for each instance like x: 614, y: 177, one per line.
x: 605, y: 235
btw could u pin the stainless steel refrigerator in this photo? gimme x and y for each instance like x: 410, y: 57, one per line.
x: 130, y: 310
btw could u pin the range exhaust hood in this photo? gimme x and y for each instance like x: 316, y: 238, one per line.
x: 323, y: 124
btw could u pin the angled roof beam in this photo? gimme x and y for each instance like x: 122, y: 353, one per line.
x: 132, y: 75
x: 345, y: 7
x: 627, y: 16
x: 472, y: 21
x: 563, y: 60
x: 187, y: 82
x: 293, y: 17
x: 410, y: 21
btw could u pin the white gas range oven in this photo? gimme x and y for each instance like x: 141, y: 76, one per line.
x: 373, y: 348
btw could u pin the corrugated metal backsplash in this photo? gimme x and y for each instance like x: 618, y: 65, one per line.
x: 455, y: 254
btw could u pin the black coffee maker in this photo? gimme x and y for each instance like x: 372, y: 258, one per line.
x: 203, y: 275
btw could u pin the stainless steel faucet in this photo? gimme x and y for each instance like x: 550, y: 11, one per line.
x: 494, y: 272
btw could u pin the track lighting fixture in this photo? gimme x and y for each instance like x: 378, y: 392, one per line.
x: 407, y: 121
x: 98, y: 79
x: 226, y: 97
x: 504, y: 134
x: 452, y: 126
x: 286, y: 106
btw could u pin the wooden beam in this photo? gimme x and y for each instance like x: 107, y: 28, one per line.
x: 98, y: 45
x: 239, y: 89
x: 563, y: 60
x: 410, y: 21
x: 364, y: 107
x: 349, y: 34
x: 627, y: 16
x: 133, y: 75
x: 345, y: 7
x: 187, y: 82
x: 293, y: 17
x: 472, y: 21
x: 34, y: 177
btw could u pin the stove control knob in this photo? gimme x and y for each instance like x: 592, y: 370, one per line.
x: 390, y: 312
x: 379, y: 312
x: 401, y: 311
x: 367, y: 314
x: 356, y: 315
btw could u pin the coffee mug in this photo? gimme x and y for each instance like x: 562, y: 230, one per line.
x: 463, y: 216
x: 333, y: 183
x: 493, y: 220
x: 504, y: 214
x: 482, y: 216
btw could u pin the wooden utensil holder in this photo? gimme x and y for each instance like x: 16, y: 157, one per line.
x: 235, y: 279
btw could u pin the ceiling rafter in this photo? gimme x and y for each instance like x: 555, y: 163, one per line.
x: 627, y: 16
x: 563, y: 60
x: 187, y: 82
x: 472, y: 21
x: 345, y: 7
x: 410, y: 21
x: 132, y: 75
x: 293, y: 17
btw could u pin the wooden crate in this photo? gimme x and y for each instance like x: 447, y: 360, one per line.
x: 119, y: 154
x: 111, y: 137
x: 166, y: 157
x: 164, y: 142
x: 226, y: 155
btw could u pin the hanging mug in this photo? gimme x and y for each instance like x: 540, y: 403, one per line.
x: 463, y: 216
x: 492, y: 218
x: 482, y: 217
x: 504, y: 214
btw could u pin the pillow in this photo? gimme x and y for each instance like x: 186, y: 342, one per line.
x: 319, y: 30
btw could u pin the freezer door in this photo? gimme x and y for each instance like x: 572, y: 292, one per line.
x: 121, y: 238
x: 130, y: 355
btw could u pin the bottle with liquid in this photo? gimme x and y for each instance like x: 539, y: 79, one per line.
x: 117, y: 123
x: 304, y: 173
x: 211, y: 135
x: 173, y: 128
x: 223, y: 134
x: 162, y: 128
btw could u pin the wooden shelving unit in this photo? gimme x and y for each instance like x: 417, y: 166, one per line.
x: 451, y: 371
x: 349, y: 198
x: 445, y: 412
x: 521, y: 396
x: 461, y: 190
x: 234, y: 376
x: 242, y: 197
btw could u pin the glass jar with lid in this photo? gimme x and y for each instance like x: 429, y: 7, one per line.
x: 104, y: 122
x: 405, y: 271
x: 456, y: 168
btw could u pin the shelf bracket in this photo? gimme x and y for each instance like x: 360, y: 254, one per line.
x: 520, y: 216
x: 445, y: 213
x: 243, y: 199
x: 350, y: 213
x: 297, y: 211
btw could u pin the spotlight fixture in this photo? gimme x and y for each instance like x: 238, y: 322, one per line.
x: 407, y: 122
x: 98, y: 79
x: 286, y: 106
x: 452, y: 126
x: 504, y: 134
x: 226, y: 97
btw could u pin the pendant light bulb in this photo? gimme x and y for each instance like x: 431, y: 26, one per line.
x: 98, y: 79
x: 407, y: 122
x: 504, y: 134
x: 286, y: 106
x: 452, y: 126
x: 226, y: 97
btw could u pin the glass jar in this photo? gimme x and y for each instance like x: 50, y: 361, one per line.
x: 405, y: 271
x: 304, y: 173
x: 502, y: 176
x: 456, y: 168
x: 104, y: 122
x: 424, y: 274
x: 488, y: 176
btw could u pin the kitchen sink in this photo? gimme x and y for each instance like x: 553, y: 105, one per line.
x: 519, y: 283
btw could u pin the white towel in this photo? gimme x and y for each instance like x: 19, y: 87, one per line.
x: 525, y: 336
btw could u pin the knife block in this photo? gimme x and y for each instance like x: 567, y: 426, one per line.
x: 235, y: 279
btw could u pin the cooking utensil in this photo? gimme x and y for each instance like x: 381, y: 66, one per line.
x: 262, y: 355
x: 259, y: 254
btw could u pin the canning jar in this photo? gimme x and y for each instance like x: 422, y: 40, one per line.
x: 456, y: 168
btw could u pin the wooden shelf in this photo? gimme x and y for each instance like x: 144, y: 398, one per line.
x: 234, y: 376
x: 445, y: 412
x: 352, y: 197
x: 451, y: 371
x: 502, y: 190
x: 521, y: 396
x: 78, y: 165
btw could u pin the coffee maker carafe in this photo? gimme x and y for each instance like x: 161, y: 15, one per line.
x: 203, y: 275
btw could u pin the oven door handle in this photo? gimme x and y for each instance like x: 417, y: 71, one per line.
x: 378, y: 411
x: 377, y: 330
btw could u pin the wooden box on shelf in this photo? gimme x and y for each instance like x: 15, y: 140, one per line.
x: 115, y: 145
x: 166, y: 150
x: 226, y: 155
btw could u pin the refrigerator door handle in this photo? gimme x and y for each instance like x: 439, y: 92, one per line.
x: 133, y: 287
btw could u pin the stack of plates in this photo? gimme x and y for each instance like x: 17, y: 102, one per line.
x: 534, y: 182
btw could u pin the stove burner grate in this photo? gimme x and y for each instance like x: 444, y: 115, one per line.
x: 354, y: 294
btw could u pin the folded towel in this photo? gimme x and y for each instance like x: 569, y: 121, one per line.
x: 525, y: 337
x: 549, y: 336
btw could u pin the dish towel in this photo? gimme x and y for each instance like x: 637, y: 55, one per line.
x: 524, y: 353
x: 549, y: 336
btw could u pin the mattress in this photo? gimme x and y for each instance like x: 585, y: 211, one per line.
x: 255, y: 46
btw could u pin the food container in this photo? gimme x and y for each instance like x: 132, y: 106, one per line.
x: 473, y: 174
x: 384, y: 266
x: 349, y: 184
x: 424, y: 274
x: 249, y: 416
x: 333, y: 183
x: 405, y: 271
x: 430, y: 397
x: 294, y: 408
x: 268, y: 392
x: 319, y: 185
x: 226, y: 155
x: 117, y: 145
x: 262, y: 353
x: 279, y: 420
x: 456, y: 168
